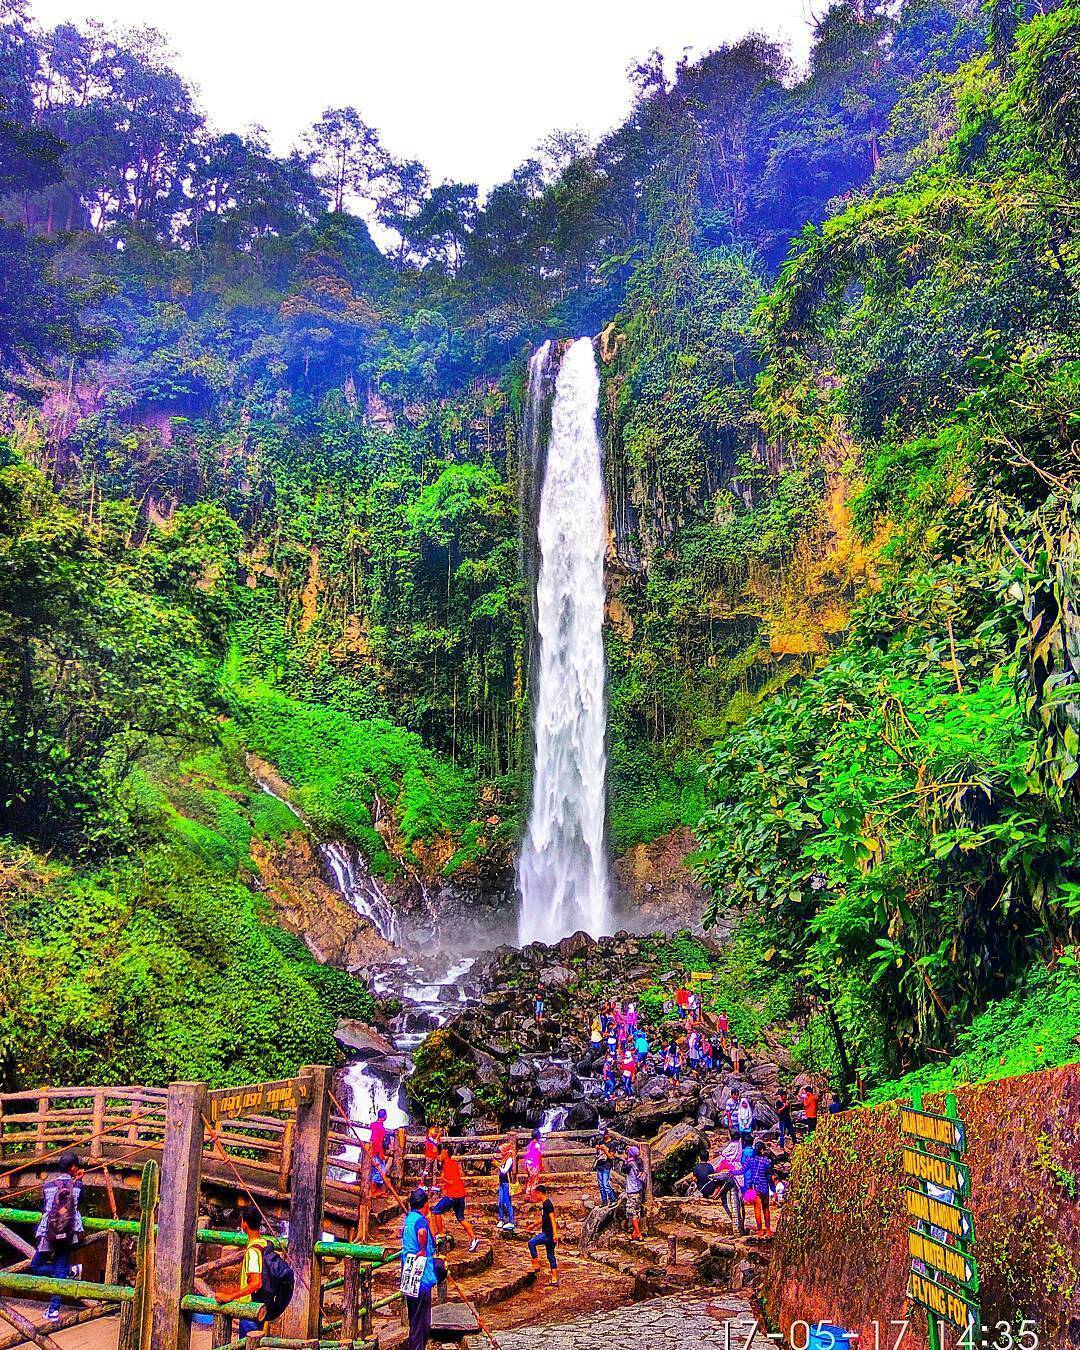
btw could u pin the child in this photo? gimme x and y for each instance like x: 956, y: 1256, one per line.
x: 548, y: 1235
x: 431, y: 1154
x: 504, y: 1164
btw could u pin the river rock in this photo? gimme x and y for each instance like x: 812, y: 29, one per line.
x: 577, y: 944
x: 556, y: 977
x: 364, y: 1041
x: 645, y: 1118
x: 521, y: 1071
x: 674, y: 1153
x: 555, y: 1082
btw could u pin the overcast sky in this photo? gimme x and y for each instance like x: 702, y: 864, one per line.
x: 468, y: 86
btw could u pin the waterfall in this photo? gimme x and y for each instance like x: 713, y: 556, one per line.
x: 562, y: 872
x: 361, y: 889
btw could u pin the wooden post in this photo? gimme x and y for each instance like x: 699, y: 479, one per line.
x: 351, y: 1299
x: 363, y: 1204
x: 301, y: 1318
x: 646, y: 1154
x: 285, y: 1161
x: 97, y: 1123
x: 399, y: 1159
x: 174, y: 1250
x: 39, y: 1135
x: 136, y: 1317
x: 112, y: 1258
x: 367, y: 1298
x: 222, y: 1333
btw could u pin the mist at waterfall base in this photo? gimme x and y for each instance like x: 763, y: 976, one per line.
x: 562, y: 871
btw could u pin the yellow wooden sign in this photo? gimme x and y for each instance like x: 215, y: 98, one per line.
x: 701, y: 974
x: 934, y: 1129
x: 945, y: 1303
x: 939, y: 1214
x: 943, y: 1172
x: 285, y: 1094
x: 949, y: 1261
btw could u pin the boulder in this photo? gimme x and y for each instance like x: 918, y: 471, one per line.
x: 556, y: 977
x: 674, y: 1153
x: 364, y: 1041
x: 581, y: 1115
x: 645, y: 1118
x: 521, y: 1071
x: 555, y: 1082
x: 577, y: 944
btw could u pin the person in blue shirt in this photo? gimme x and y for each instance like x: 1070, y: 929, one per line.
x: 417, y: 1238
x: 757, y: 1185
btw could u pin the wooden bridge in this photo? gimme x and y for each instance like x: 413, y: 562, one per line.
x: 305, y: 1162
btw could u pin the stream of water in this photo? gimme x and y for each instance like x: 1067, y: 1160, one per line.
x: 562, y: 872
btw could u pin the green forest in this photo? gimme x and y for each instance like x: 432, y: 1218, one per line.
x: 260, y: 494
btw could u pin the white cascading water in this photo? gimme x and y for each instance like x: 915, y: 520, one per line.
x: 562, y: 872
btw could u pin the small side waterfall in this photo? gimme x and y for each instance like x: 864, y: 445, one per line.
x: 361, y: 889
x: 562, y: 871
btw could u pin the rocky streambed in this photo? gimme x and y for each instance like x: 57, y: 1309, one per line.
x: 494, y: 1065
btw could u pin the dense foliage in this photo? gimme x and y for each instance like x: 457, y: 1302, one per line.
x: 259, y: 489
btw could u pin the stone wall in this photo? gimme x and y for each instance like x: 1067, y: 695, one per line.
x: 841, y: 1251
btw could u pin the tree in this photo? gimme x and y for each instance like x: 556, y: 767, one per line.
x: 346, y: 154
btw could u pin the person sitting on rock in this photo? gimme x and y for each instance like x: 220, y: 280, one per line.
x: 706, y: 1178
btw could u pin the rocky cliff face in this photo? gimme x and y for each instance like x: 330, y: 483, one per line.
x: 655, y: 889
x: 304, y: 903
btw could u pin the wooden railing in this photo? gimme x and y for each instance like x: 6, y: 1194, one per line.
x: 123, y: 1126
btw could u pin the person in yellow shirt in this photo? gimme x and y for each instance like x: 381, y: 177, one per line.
x: 251, y: 1269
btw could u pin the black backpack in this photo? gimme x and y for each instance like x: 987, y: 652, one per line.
x: 277, y: 1283
x: 60, y: 1225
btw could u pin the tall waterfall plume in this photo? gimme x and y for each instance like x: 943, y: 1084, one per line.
x: 562, y: 871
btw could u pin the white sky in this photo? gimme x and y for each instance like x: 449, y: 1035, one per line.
x: 468, y: 86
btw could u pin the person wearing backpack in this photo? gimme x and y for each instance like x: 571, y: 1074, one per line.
x: 60, y: 1227
x: 265, y: 1276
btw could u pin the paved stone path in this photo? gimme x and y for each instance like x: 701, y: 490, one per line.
x: 708, y: 1319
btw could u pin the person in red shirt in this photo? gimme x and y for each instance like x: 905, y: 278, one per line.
x: 453, y: 1196
x: 682, y: 1000
x: 810, y: 1108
